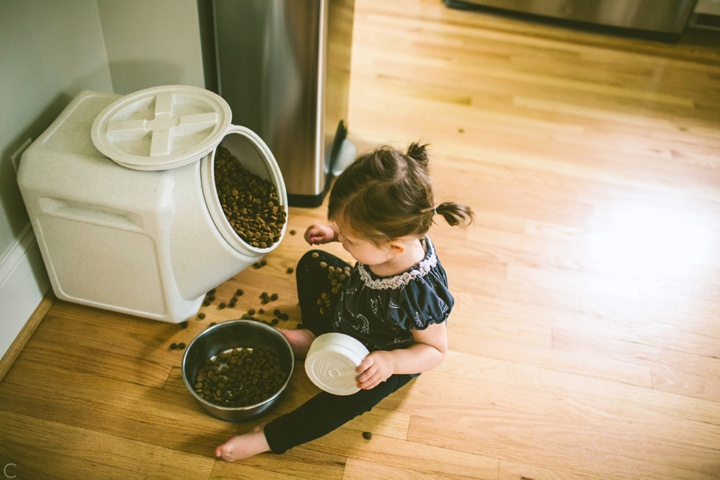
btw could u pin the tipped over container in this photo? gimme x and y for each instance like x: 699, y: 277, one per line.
x: 122, y: 197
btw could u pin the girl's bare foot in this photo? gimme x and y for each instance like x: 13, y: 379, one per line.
x: 243, y: 446
x: 300, y: 341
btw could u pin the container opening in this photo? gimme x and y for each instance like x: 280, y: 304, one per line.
x: 247, y: 153
x: 247, y: 200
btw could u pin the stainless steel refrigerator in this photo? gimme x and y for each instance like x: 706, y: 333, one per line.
x: 664, y: 19
x: 284, y: 69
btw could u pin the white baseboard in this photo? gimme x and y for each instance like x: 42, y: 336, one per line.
x: 23, y: 284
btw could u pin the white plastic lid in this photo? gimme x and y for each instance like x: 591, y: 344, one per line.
x: 161, y: 127
x: 330, y: 364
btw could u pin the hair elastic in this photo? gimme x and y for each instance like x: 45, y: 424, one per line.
x: 434, y: 210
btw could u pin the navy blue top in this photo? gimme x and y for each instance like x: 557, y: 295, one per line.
x: 381, y: 312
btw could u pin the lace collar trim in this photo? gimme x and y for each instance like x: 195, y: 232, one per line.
x: 401, y: 279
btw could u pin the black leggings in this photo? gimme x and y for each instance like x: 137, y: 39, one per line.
x: 324, y: 412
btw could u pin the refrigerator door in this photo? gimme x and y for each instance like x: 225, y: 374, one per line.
x: 284, y: 69
x: 669, y: 16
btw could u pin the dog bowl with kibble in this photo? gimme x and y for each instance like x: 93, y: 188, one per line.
x: 251, y: 336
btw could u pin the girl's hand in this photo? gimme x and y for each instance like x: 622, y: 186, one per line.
x: 375, y: 369
x: 317, y: 234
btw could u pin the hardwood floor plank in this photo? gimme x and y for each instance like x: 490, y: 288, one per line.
x: 629, y: 440
x: 681, y: 406
x: 694, y: 318
x: 415, y: 458
x: 361, y: 469
x: 513, y: 471
x: 580, y: 363
x: 673, y: 338
x: 683, y: 363
x: 499, y: 311
x: 112, y: 407
x: 673, y: 381
x: 524, y: 446
x: 95, y: 361
x: 481, y: 401
x: 97, y: 453
x: 476, y: 366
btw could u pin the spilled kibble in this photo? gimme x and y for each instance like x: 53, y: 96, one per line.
x: 173, y: 346
x: 200, y: 315
x: 239, y: 292
x: 290, y: 270
x: 181, y: 346
x: 367, y: 435
x: 184, y: 325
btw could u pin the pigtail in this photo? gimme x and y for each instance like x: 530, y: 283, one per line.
x: 455, y: 213
x: 419, y: 153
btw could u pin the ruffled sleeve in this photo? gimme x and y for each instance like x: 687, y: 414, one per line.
x: 422, y: 302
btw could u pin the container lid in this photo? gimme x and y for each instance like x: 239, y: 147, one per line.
x: 330, y: 364
x: 161, y: 127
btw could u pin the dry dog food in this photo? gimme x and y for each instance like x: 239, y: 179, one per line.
x: 250, y: 203
x: 240, y: 377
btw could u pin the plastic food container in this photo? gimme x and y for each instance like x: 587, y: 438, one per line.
x: 331, y: 361
x: 121, y: 195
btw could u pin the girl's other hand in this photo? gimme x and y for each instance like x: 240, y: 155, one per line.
x: 375, y: 369
x: 317, y: 234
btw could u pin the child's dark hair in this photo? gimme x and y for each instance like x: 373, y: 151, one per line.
x: 386, y: 194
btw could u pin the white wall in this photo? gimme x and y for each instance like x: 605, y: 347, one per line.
x: 709, y: 7
x: 151, y: 43
x: 49, y: 51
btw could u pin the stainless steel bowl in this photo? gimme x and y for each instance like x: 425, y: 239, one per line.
x: 236, y: 334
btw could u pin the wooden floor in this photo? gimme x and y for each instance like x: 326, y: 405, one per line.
x: 585, y: 340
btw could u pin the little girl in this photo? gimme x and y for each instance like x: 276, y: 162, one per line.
x: 395, y: 300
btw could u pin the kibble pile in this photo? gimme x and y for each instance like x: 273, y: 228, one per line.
x: 240, y: 377
x: 250, y: 203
